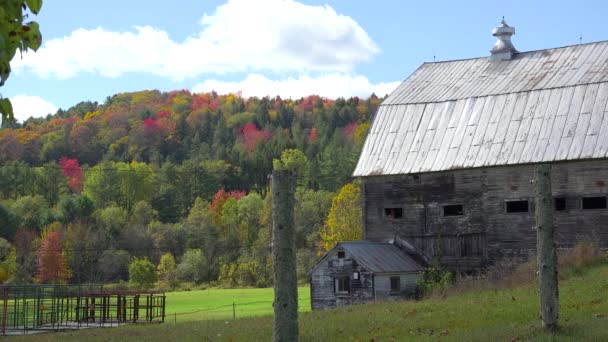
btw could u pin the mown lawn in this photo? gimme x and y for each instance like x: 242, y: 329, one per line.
x: 491, y: 315
x: 217, y: 303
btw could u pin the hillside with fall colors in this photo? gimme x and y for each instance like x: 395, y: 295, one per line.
x: 174, y: 178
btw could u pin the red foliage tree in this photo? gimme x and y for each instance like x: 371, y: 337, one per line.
x: 350, y: 129
x: 221, y: 196
x: 252, y: 136
x: 51, y: 263
x: 313, y: 135
x: 71, y: 170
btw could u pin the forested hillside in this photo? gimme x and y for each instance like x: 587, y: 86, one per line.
x: 177, y: 178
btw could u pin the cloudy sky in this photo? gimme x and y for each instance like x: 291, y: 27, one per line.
x: 94, y: 49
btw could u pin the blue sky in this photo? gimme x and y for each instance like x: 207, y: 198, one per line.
x: 94, y: 49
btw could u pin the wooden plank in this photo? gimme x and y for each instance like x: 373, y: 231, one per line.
x: 547, y: 125
x: 427, y: 140
x: 416, y: 115
x: 564, y: 58
x: 601, y: 149
x: 593, y: 65
x: 404, y: 122
x: 571, y: 122
x: 582, y: 125
x: 558, y: 125
x: 418, y: 137
x: 444, y: 148
x: 467, y: 135
x: 488, y: 136
x: 511, y: 135
x: 595, y: 122
x: 463, y: 121
x: 521, y: 137
x: 382, y: 118
x: 385, y: 138
x: 584, y: 62
x: 440, y: 133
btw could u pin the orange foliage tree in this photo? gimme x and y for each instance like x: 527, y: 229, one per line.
x: 51, y: 263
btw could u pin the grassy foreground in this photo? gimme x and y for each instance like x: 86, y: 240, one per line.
x: 500, y: 315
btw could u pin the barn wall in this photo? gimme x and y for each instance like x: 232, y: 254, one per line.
x: 486, y: 231
x: 322, y: 294
x: 382, y: 283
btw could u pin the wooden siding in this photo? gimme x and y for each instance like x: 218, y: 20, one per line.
x: 485, y: 231
x: 322, y: 293
x: 382, y: 286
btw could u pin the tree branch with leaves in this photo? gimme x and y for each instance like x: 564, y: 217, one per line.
x: 15, y: 34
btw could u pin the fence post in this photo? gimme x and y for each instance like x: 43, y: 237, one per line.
x: 175, y: 317
x: 233, y: 310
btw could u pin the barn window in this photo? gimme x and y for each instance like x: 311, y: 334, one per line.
x: 594, y: 202
x: 560, y: 203
x: 355, y: 275
x: 453, y: 210
x: 517, y: 206
x: 341, y: 255
x: 393, y: 213
x: 395, y: 284
x: 342, y: 285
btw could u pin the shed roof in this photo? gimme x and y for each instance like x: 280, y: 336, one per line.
x: 540, y: 106
x: 380, y: 257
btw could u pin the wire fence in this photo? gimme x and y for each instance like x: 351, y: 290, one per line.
x: 229, y: 311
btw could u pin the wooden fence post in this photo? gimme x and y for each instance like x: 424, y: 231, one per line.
x: 284, y: 257
x: 546, y: 254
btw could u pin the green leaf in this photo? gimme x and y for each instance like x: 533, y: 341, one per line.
x: 31, y: 35
x: 34, y: 5
x: 6, y: 108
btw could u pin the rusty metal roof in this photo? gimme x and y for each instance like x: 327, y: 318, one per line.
x: 540, y: 106
x: 380, y: 257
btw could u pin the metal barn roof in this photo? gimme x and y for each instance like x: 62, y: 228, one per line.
x: 539, y: 106
x: 380, y: 257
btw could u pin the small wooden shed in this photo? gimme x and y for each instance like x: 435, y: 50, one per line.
x: 358, y: 272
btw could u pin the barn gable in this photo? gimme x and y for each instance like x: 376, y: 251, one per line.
x: 540, y: 106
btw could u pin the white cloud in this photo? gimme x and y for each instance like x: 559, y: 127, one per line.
x: 25, y: 106
x: 332, y: 86
x: 240, y: 36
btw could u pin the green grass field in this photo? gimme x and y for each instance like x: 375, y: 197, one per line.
x: 217, y: 303
x: 489, y: 315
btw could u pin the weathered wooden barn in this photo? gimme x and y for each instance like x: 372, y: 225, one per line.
x: 357, y: 272
x: 448, y: 161
x: 447, y: 164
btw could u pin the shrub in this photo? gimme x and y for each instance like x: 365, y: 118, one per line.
x: 142, y: 273
x: 435, y: 278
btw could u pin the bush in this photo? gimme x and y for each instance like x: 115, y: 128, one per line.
x: 435, y: 278
x: 166, y: 270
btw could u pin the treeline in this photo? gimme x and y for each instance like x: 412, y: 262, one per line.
x: 85, y: 191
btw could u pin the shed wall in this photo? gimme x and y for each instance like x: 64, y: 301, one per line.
x: 382, y: 283
x: 322, y: 290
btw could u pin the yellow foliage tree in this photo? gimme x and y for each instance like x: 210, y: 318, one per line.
x: 345, y: 218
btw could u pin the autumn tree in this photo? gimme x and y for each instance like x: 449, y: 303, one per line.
x: 345, y: 218
x: 71, y: 170
x: 166, y: 270
x: 52, y: 267
x: 16, y: 35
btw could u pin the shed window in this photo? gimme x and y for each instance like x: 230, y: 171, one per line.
x: 395, y: 284
x: 341, y: 255
x: 355, y: 275
x: 560, y: 203
x: 342, y: 285
x: 594, y: 202
x: 517, y: 206
x: 453, y: 210
x: 393, y: 213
